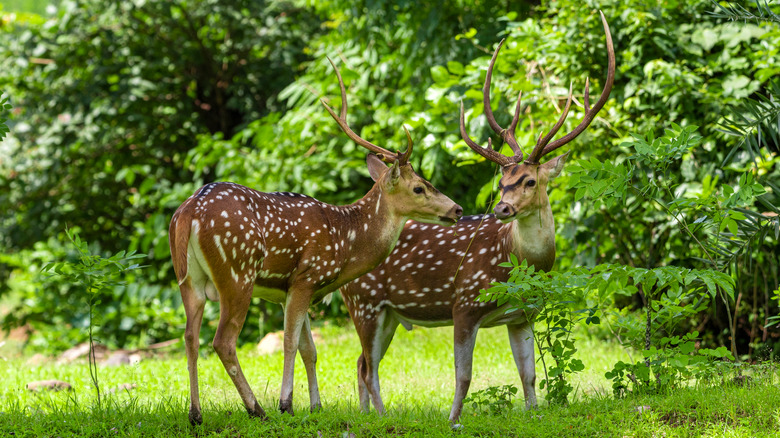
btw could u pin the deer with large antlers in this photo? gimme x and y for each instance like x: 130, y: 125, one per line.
x: 434, y: 274
x: 228, y: 241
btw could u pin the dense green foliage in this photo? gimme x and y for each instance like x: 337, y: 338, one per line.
x: 123, y: 109
x: 676, y: 65
x: 137, y: 125
x: 107, y: 117
x: 107, y: 113
x: 673, y: 294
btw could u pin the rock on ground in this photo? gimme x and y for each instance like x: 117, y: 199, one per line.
x: 48, y: 385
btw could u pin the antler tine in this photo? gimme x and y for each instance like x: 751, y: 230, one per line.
x: 486, y: 91
x: 507, y: 135
x: 383, y: 153
x: 536, y: 153
x: 590, y: 113
x: 511, y: 131
x: 585, y: 101
x: 487, y: 152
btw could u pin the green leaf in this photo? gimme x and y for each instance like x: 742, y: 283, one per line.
x: 455, y: 67
x: 736, y: 85
x: 579, y: 194
x: 736, y: 215
x: 732, y: 226
x: 439, y: 74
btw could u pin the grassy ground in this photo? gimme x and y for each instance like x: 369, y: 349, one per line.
x: 417, y: 386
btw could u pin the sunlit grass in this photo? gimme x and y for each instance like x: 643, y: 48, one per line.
x: 417, y: 380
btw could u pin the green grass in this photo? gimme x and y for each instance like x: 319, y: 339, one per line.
x: 417, y: 386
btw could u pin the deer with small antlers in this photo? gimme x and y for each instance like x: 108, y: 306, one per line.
x: 228, y: 241
x: 434, y: 274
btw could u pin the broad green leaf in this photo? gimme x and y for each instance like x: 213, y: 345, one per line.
x: 439, y: 74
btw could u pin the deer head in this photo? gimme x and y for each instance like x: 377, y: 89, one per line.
x: 523, y: 183
x: 409, y: 194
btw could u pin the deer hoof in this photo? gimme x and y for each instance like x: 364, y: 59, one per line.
x: 196, y: 419
x: 285, y: 407
x: 457, y: 427
x: 317, y: 407
x: 257, y: 412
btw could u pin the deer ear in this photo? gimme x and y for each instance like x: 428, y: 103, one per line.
x: 555, y: 165
x: 376, y: 168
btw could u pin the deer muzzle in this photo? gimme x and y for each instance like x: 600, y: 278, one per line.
x: 504, y: 211
x: 453, y: 215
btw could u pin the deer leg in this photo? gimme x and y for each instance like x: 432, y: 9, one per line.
x: 309, y: 355
x: 365, y: 329
x: 521, y: 338
x: 365, y: 400
x: 373, y: 352
x: 233, y: 310
x: 193, y: 309
x: 465, y: 338
x: 298, y: 301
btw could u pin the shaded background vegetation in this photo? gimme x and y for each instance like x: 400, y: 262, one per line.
x: 122, y: 110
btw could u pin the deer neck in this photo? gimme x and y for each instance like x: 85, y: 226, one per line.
x: 370, y: 230
x: 532, y: 237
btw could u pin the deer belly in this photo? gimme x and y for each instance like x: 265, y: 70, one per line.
x: 500, y: 317
x: 407, y: 322
x: 271, y: 294
x: 424, y: 314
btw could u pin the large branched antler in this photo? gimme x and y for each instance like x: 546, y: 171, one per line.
x: 542, y: 147
x: 384, y: 154
x: 508, y: 135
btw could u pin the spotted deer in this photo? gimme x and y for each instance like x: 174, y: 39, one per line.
x: 434, y: 274
x: 228, y: 241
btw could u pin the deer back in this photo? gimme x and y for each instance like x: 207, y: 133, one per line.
x: 435, y: 272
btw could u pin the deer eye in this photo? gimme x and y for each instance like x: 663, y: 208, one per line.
x: 530, y: 183
x: 418, y: 190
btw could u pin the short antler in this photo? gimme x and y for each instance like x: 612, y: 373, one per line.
x: 542, y: 147
x: 508, y: 135
x: 384, y: 154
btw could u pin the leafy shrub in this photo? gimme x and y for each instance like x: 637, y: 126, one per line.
x: 94, y: 277
x: 56, y: 315
x: 546, y: 298
x: 494, y: 400
x: 674, y: 362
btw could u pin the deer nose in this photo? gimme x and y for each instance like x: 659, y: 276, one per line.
x: 503, y: 210
x: 452, y: 216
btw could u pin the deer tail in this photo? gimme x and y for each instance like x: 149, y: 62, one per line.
x: 179, y: 239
